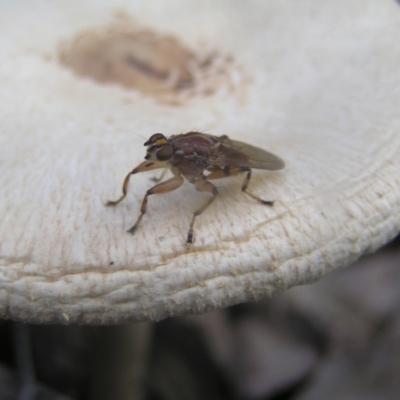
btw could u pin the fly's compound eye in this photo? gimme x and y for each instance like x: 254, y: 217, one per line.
x: 155, y: 138
x: 164, y: 153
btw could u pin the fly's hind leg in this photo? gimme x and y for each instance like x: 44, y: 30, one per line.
x: 231, y: 171
x: 203, y: 186
x: 246, y: 184
x: 163, y: 187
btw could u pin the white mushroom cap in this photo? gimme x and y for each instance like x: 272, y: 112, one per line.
x: 317, y: 83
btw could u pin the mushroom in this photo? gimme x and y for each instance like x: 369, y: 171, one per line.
x: 315, y: 83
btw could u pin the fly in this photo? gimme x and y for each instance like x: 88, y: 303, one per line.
x: 189, y: 156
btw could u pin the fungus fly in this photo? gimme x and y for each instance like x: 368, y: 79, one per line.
x: 190, y: 155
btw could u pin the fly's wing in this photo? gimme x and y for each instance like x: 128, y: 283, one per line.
x: 237, y: 154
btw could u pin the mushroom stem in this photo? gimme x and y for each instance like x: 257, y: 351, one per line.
x: 120, y: 362
x: 26, y: 370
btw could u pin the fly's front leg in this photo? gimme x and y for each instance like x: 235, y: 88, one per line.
x: 246, y: 184
x: 144, y: 166
x: 124, y: 192
x: 163, y: 187
x: 203, y: 186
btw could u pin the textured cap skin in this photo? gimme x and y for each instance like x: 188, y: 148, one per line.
x: 316, y: 83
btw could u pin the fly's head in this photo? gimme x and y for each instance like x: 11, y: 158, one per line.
x: 158, y: 148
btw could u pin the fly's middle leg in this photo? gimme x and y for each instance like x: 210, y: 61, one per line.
x: 203, y: 186
x: 163, y: 187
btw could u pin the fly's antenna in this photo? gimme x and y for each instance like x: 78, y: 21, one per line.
x: 139, y: 135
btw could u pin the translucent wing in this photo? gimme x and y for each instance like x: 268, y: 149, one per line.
x: 238, y: 154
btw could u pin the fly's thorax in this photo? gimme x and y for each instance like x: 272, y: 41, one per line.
x: 193, y: 144
x: 192, y: 152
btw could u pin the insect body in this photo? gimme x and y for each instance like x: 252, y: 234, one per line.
x: 190, y: 156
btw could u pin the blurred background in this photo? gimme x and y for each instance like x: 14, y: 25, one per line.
x: 335, y: 339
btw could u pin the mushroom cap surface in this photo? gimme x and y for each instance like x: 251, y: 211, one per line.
x: 316, y: 83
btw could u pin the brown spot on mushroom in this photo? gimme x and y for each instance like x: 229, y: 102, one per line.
x: 157, y: 65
